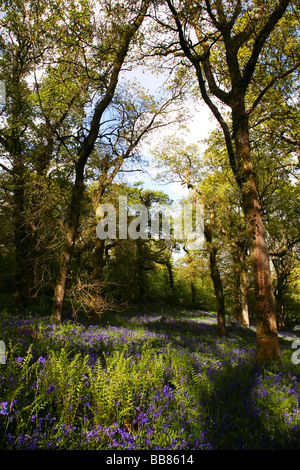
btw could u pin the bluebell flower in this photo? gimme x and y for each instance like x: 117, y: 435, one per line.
x: 3, y: 408
x: 51, y: 388
x: 41, y: 360
x: 10, y: 439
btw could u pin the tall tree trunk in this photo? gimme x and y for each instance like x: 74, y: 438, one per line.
x: 216, y: 278
x: 99, y: 259
x: 170, y: 274
x: 267, y: 338
x: 218, y: 288
x: 14, y: 145
x: 67, y: 253
x: 22, y: 278
x: 84, y: 152
x: 243, y: 298
x: 280, y: 287
x: 214, y: 270
x: 171, y: 280
x: 192, y: 277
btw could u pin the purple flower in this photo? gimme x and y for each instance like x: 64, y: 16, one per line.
x: 3, y: 408
x: 51, y: 388
x: 41, y: 360
x: 10, y: 439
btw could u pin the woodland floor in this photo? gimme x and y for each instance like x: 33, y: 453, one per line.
x: 160, y: 380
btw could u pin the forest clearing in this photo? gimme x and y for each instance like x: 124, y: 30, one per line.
x: 149, y: 224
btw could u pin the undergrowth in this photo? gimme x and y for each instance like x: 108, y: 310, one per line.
x: 148, y: 383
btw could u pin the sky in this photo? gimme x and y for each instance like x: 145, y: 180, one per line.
x: 199, y: 127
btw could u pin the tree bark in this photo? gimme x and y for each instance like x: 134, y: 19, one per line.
x: 216, y: 279
x: 99, y: 259
x: 192, y: 277
x: 243, y: 298
x: 267, y: 339
x: 21, y: 276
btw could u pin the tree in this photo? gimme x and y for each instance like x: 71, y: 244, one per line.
x: 223, y: 42
x: 20, y: 26
x: 125, y: 20
x: 184, y: 163
x: 219, y: 186
x: 282, y: 224
x: 276, y: 165
x: 144, y: 256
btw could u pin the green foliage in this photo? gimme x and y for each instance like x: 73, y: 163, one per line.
x: 64, y: 392
x: 143, y: 384
x: 276, y: 399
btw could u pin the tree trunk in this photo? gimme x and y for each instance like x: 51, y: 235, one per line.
x: 21, y: 271
x: 99, y: 259
x: 279, y: 291
x: 170, y: 274
x: 218, y: 288
x: 216, y: 278
x: 171, y: 281
x: 67, y: 253
x: 192, y: 277
x: 13, y: 144
x: 243, y: 298
x: 267, y: 339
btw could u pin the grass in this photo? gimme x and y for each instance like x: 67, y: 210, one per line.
x: 144, y: 382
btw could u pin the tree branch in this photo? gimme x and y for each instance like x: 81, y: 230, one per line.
x: 5, y: 168
x: 221, y: 121
x: 261, y: 39
x: 89, y: 141
x: 269, y: 85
